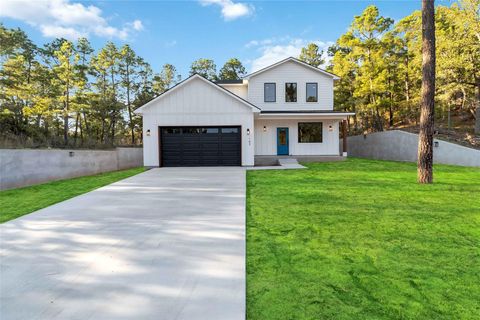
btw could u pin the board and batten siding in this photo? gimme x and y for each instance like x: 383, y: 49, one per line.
x: 196, y: 103
x: 291, y: 72
x: 266, y: 141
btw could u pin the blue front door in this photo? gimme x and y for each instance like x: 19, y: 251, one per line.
x: 282, y: 141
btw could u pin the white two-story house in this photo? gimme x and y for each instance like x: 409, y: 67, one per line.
x: 285, y: 109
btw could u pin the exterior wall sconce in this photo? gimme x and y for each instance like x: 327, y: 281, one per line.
x: 148, y: 133
x: 264, y: 128
x: 248, y: 132
x: 71, y: 154
x: 435, y: 144
x: 330, y: 128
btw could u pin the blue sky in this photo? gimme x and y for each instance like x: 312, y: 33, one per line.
x: 178, y: 32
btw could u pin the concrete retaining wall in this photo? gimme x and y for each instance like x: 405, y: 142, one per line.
x: 402, y: 146
x: 24, y: 167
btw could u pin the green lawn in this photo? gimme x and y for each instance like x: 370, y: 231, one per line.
x: 361, y: 239
x: 18, y: 202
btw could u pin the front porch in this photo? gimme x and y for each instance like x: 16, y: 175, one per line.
x: 307, y: 137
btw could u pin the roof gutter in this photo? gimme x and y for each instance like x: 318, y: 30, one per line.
x: 335, y: 115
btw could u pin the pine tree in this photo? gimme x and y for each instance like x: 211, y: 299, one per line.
x: 68, y: 78
x: 311, y: 55
x: 129, y: 64
x: 233, y: 69
x: 165, y: 79
x: 204, y: 67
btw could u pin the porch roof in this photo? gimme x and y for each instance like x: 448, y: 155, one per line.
x: 302, y: 114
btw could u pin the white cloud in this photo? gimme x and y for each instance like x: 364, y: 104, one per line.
x: 137, y: 25
x: 59, y: 32
x: 256, y: 43
x: 63, y: 18
x: 170, y: 44
x: 273, y: 54
x: 111, y: 32
x: 230, y: 9
x: 276, y: 49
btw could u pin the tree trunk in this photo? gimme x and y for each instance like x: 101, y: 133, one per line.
x: 67, y: 107
x: 477, y: 111
x: 449, y: 119
x: 65, y: 124
x: 102, y: 132
x: 76, y: 130
x: 57, y: 125
x: 114, y: 122
x: 132, y: 125
x: 464, y: 97
x: 345, y: 134
x: 114, y: 96
x: 47, y: 131
x: 390, y: 116
x: 378, y: 120
x: 425, y: 142
x: 407, y: 80
x: 390, y: 110
x: 129, y: 106
x: 81, y: 131
x: 87, y: 129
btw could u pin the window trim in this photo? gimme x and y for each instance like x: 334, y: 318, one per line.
x: 274, y: 92
x: 316, y: 92
x: 298, y: 131
x: 296, y: 92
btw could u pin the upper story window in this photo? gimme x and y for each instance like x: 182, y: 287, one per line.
x: 269, y: 92
x: 290, y: 92
x: 312, y: 92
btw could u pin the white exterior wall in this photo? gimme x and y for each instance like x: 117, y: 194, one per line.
x: 266, y: 142
x: 239, y: 90
x: 196, y: 103
x: 291, y: 72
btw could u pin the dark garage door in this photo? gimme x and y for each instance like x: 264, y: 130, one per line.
x: 200, y: 146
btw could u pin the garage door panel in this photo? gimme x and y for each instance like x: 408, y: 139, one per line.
x: 210, y: 137
x: 200, y: 146
x: 173, y: 147
x: 172, y: 157
x: 191, y: 149
x: 230, y: 136
x: 210, y: 155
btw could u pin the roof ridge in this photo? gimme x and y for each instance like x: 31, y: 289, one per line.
x: 335, y: 77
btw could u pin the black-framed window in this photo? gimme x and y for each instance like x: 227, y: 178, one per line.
x: 290, y: 92
x: 229, y: 130
x: 191, y: 130
x: 269, y: 92
x: 310, y: 132
x: 312, y: 92
x: 172, y: 130
x: 209, y: 130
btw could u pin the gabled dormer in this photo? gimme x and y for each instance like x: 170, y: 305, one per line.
x: 291, y: 84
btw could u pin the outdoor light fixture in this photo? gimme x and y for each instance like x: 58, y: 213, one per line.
x: 264, y: 128
x: 148, y: 133
x: 435, y: 144
x: 330, y: 128
x: 248, y: 132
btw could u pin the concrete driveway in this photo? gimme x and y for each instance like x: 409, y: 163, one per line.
x: 165, y: 244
